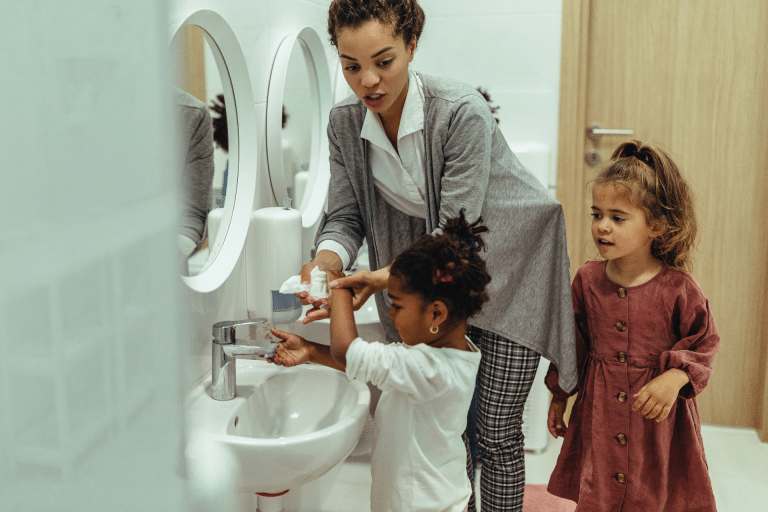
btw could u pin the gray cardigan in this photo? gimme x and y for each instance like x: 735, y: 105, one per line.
x: 194, y: 155
x: 468, y: 165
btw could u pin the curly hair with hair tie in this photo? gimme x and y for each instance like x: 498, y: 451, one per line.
x: 220, y: 134
x: 447, y: 267
x: 405, y: 16
x: 655, y: 184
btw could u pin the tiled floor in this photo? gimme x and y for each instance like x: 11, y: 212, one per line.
x: 738, y: 467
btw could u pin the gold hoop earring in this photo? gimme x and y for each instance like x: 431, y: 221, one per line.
x: 434, y: 329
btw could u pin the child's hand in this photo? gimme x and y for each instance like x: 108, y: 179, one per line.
x: 293, y: 350
x: 332, y: 275
x: 655, y: 399
x: 555, y: 422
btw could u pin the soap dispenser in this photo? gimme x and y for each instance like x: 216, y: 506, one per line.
x: 272, y: 255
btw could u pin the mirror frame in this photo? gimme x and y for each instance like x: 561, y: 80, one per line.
x: 312, y: 204
x: 242, y: 128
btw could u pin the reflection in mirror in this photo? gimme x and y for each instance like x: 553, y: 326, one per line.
x: 297, y: 149
x: 202, y: 148
x: 297, y: 124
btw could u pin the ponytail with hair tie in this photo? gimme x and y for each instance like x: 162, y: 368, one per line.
x: 442, y: 278
x: 660, y: 190
x: 448, y: 258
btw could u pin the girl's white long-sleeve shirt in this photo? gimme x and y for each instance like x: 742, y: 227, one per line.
x: 418, y: 462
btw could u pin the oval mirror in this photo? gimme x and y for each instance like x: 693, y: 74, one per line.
x: 200, y: 109
x: 217, y: 174
x: 298, y: 104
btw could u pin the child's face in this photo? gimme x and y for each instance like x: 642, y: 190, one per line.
x: 619, y: 227
x: 375, y: 65
x: 409, y: 313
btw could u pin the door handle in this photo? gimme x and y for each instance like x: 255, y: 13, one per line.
x: 595, y: 131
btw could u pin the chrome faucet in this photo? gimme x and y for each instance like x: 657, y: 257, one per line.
x: 225, y: 350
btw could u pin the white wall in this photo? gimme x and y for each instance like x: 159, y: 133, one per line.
x: 90, y: 409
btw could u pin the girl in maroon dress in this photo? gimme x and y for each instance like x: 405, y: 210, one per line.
x: 646, y: 341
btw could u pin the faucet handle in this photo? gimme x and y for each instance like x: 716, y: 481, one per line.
x: 224, y: 332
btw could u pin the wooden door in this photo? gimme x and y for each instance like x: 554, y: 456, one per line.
x: 188, y: 59
x: 692, y: 77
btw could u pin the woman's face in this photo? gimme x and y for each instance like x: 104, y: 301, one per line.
x: 375, y: 65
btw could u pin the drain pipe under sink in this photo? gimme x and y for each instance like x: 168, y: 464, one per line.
x: 270, y: 502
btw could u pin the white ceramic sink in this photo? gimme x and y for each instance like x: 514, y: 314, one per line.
x: 286, y: 426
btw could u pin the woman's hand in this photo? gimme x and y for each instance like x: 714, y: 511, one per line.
x: 555, y: 422
x: 292, y: 351
x: 325, y: 260
x: 655, y: 399
x: 362, y: 284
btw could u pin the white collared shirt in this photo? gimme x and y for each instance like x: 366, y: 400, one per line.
x: 398, y: 175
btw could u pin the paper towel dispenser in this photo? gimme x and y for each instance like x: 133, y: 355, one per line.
x: 272, y: 255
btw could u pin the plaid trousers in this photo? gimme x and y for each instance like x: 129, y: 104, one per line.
x: 506, y: 375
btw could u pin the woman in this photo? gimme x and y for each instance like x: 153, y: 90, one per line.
x: 408, y: 152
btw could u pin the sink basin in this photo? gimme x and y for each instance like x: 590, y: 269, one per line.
x: 285, y: 427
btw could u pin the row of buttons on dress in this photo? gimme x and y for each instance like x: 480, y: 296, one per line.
x: 622, y: 396
x: 622, y: 327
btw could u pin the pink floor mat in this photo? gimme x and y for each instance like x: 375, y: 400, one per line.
x: 537, y: 499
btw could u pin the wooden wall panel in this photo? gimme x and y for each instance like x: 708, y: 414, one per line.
x: 572, y: 120
x: 187, y: 55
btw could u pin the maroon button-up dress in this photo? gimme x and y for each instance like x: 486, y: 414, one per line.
x: 613, y: 459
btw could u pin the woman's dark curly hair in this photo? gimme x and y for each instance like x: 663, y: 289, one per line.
x: 405, y: 16
x: 447, y: 267
x: 220, y: 134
